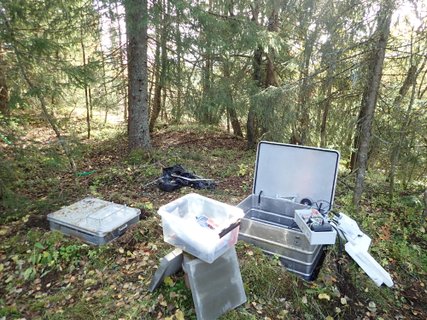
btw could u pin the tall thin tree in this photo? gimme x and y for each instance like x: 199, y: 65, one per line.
x: 251, y: 127
x: 370, y: 95
x: 136, y: 27
x: 4, y: 91
x: 160, y: 63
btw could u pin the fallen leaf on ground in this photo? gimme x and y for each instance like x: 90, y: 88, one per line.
x: 4, y: 231
x: 168, y: 281
x: 179, y: 315
x: 324, y: 296
x: 372, y: 306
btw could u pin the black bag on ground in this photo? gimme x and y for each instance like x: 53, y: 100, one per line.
x: 177, y: 176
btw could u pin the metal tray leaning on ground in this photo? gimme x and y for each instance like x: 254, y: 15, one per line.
x: 289, y: 178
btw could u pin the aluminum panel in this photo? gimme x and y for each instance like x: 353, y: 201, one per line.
x: 292, y: 171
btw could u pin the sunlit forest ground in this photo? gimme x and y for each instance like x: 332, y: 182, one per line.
x: 44, y: 275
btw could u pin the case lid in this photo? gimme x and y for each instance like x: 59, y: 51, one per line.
x: 94, y: 216
x: 292, y: 171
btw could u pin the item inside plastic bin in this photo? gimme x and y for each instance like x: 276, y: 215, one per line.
x: 206, y: 222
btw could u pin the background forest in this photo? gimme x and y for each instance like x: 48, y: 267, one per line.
x: 214, y: 78
x: 349, y: 75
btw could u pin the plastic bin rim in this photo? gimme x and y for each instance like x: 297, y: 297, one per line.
x: 162, y: 208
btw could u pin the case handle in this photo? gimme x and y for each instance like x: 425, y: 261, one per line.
x: 229, y: 229
x: 259, y: 197
x: 122, y: 229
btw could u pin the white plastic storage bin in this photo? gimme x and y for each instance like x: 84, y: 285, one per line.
x: 321, y: 237
x: 200, y: 226
x: 94, y: 220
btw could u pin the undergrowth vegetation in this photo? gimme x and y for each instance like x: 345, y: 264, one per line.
x: 46, y: 275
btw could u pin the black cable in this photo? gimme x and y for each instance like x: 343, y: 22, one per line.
x: 319, y: 205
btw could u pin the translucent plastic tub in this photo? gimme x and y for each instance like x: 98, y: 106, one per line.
x: 202, y: 227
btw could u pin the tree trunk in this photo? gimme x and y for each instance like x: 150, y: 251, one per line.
x: 305, y: 92
x: 410, y: 80
x: 122, y: 64
x: 89, y: 91
x: 425, y: 203
x: 164, y: 113
x: 231, y: 113
x: 204, y: 110
x: 235, y: 124
x: 99, y: 48
x: 176, y: 109
x: 4, y: 91
x: 327, y: 92
x: 136, y: 26
x: 160, y: 74
x: 370, y: 96
x: 325, y: 108
x: 271, y: 78
x: 231, y: 110
x: 356, y: 139
x: 88, y: 111
x: 301, y: 129
x: 251, y: 128
x: 104, y: 84
x: 410, y: 165
x: 156, y: 104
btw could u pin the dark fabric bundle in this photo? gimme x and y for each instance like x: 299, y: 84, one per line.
x: 177, y: 176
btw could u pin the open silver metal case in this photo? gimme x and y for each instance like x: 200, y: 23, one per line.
x: 285, y: 176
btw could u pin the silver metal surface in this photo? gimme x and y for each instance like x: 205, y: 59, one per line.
x: 269, y: 225
x: 285, y: 170
x: 307, y: 272
x: 217, y: 287
x: 169, y: 265
x: 94, y: 220
x: 284, y: 175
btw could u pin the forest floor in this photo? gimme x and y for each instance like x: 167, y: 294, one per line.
x: 46, y: 275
